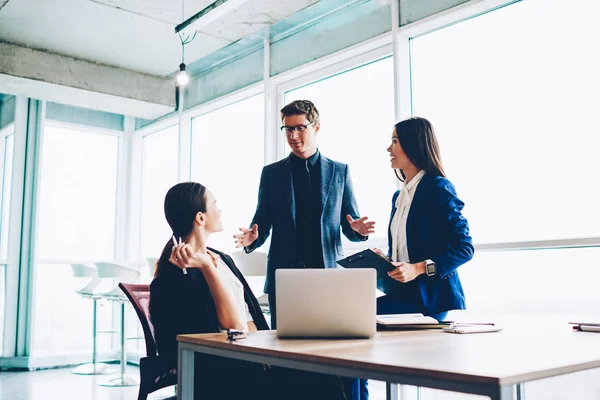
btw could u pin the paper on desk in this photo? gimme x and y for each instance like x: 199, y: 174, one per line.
x: 405, y: 319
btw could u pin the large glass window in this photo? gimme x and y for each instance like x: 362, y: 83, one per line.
x: 2, y: 303
x: 536, y: 280
x: 6, y: 163
x: 78, y: 191
x: 76, y: 223
x: 515, y: 110
x: 160, y: 155
x: 357, y: 120
x: 227, y: 157
x: 6, y: 175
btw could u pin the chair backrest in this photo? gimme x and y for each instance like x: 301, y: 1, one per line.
x: 139, y: 296
x: 253, y: 264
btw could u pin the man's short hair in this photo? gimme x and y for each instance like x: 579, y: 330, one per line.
x: 300, y: 107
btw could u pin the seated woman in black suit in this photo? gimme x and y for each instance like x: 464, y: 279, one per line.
x: 197, y: 289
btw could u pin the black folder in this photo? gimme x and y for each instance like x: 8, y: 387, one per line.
x: 369, y: 259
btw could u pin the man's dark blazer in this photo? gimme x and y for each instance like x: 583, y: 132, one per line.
x: 436, y: 230
x: 276, y: 210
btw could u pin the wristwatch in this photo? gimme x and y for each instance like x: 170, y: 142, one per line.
x: 429, y: 267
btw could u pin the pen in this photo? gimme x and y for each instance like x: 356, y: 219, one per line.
x: 178, y: 244
x: 588, y: 328
x: 235, y: 334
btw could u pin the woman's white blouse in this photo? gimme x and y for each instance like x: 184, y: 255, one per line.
x: 399, y: 249
x: 236, y: 288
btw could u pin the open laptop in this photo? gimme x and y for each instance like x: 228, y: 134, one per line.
x: 326, y: 302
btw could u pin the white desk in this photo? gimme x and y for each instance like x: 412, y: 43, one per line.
x: 489, y: 364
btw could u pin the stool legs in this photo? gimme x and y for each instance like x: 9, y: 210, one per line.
x: 94, y: 368
x: 122, y: 379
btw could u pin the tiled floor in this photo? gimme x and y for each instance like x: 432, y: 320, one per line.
x: 60, y: 383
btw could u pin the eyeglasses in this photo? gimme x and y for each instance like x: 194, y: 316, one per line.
x: 299, y: 128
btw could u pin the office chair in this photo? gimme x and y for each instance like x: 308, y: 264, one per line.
x: 154, y: 371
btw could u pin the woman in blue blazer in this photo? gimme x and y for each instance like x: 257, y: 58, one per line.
x: 428, y: 237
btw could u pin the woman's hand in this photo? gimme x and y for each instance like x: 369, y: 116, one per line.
x: 247, y: 237
x: 380, y: 253
x: 406, y: 272
x: 184, y: 257
x: 361, y: 225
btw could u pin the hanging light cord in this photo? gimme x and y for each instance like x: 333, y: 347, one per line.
x: 185, y: 38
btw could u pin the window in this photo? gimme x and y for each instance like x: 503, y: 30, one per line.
x: 357, y: 120
x: 536, y: 280
x: 76, y: 223
x: 77, y: 197
x: 228, y: 157
x: 6, y: 162
x: 160, y: 155
x: 6, y: 174
x: 515, y: 111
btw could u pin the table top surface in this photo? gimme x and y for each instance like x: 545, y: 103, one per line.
x: 527, y: 349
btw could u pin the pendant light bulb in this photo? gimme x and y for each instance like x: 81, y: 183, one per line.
x: 182, y: 76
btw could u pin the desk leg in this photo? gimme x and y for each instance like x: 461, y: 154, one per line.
x: 418, y: 392
x: 503, y: 393
x: 395, y: 391
x: 185, y: 375
x: 520, y: 391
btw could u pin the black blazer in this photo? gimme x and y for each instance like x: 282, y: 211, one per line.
x: 276, y: 210
x: 182, y: 303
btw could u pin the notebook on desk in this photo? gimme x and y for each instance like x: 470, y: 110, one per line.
x: 409, y: 321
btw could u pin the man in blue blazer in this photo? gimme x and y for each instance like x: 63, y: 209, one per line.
x: 304, y: 199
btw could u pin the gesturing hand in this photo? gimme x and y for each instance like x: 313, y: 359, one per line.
x: 361, y: 225
x: 246, y: 237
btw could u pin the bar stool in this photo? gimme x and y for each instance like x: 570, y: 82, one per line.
x: 123, y: 274
x: 82, y: 272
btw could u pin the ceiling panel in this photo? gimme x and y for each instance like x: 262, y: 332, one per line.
x: 92, y: 31
x: 133, y: 34
x: 162, y: 10
x: 253, y: 16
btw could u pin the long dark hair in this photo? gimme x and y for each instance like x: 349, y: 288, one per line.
x: 182, y: 202
x: 417, y: 138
